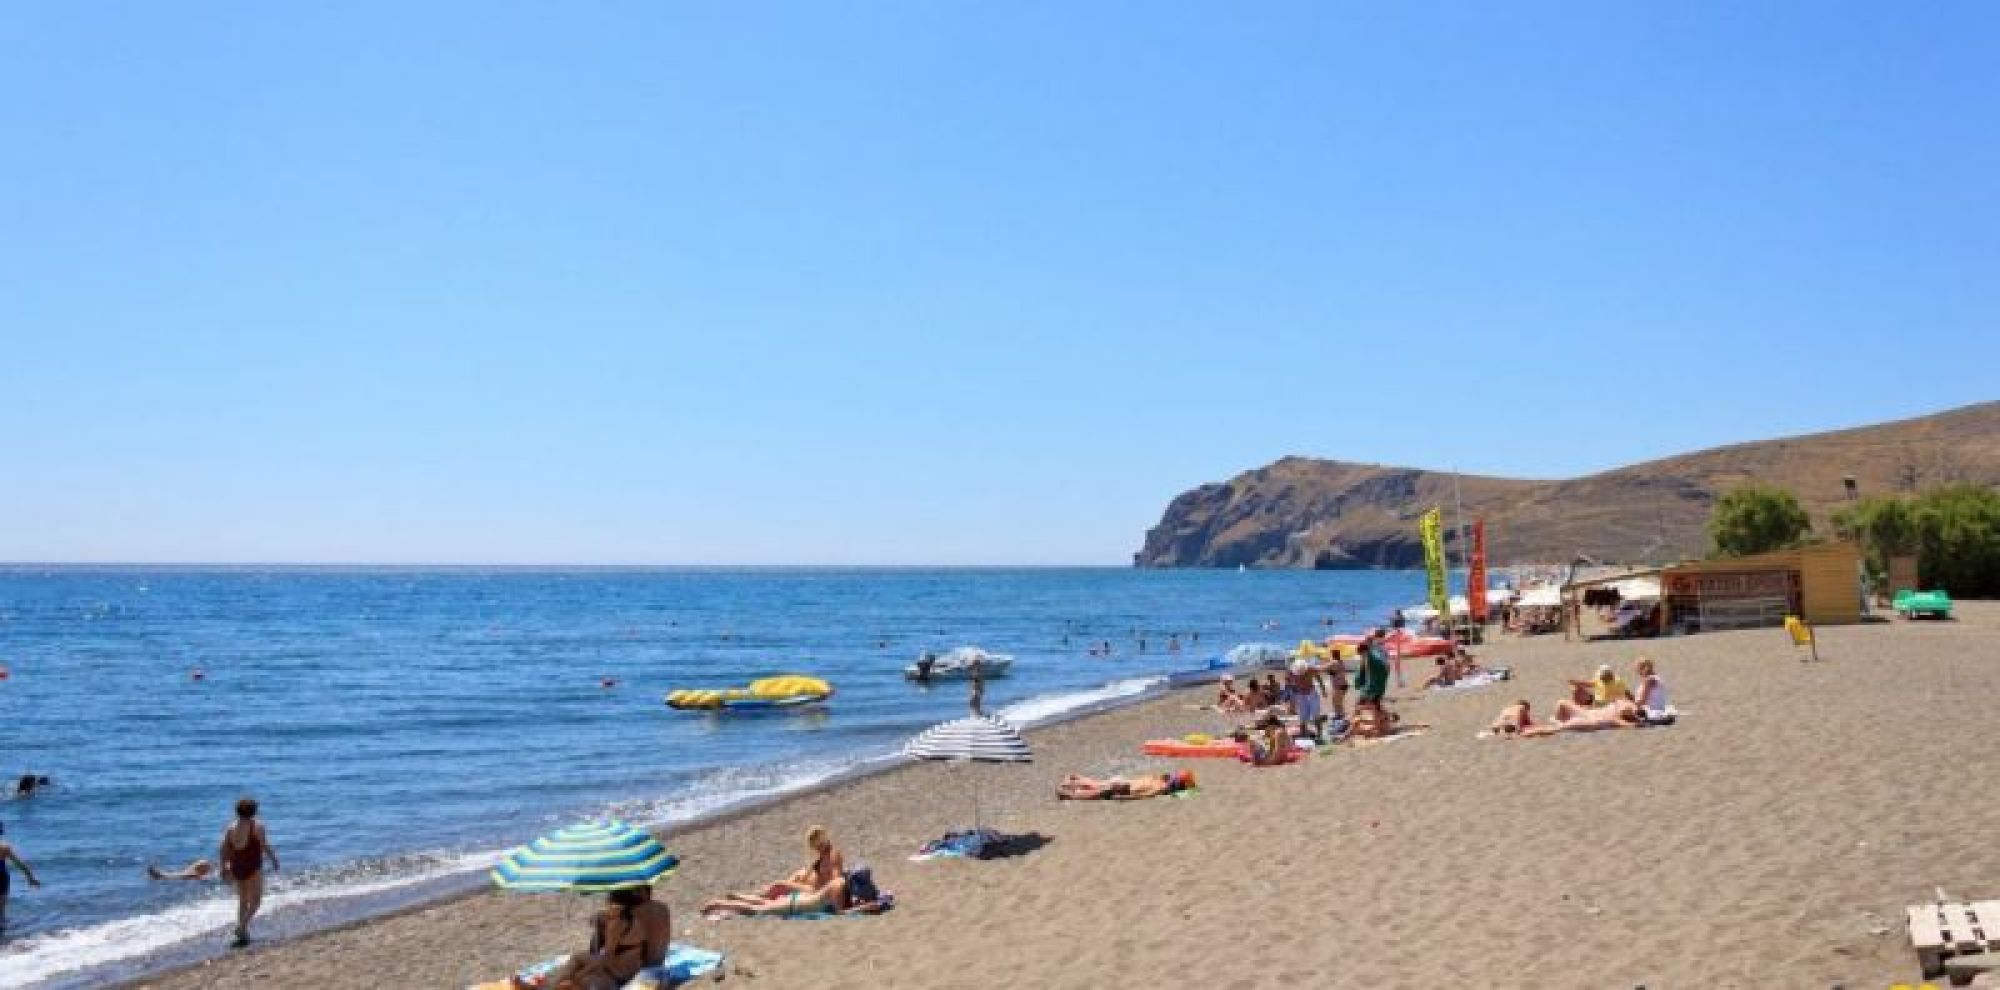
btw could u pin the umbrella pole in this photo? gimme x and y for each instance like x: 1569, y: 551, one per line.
x: 975, y: 799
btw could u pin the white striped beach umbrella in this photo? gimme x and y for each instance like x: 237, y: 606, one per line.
x: 974, y: 739
x: 592, y: 858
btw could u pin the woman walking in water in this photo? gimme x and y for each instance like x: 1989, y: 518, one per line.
x: 244, y: 849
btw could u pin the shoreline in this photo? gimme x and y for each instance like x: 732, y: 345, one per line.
x: 339, y: 913
x: 1773, y: 847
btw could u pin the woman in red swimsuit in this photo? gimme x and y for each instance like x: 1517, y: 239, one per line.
x: 244, y: 849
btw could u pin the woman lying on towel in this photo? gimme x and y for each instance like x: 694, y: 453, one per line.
x: 1075, y: 788
x: 1570, y: 717
x: 1513, y: 719
x: 832, y: 897
x: 629, y: 935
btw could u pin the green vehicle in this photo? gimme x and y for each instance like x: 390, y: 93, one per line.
x: 1923, y: 604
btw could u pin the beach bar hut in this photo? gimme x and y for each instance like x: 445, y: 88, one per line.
x: 1820, y: 583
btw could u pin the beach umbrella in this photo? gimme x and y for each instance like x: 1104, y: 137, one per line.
x: 974, y: 739
x: 592, y: 858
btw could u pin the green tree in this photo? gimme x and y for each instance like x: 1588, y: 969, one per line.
x: 1954, y: 531
x: 1883, y: 526
x: 1756, y: 519
x: 1958, y: 540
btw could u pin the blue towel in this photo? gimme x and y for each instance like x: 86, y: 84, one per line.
x: 955, y: 844
x: 684, y: 963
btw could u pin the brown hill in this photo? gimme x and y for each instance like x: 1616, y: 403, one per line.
x: 1305, y: 512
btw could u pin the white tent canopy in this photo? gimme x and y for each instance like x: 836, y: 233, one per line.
x: 1548, y: 597
x: 1459, y: 606
x: 1638, y: 588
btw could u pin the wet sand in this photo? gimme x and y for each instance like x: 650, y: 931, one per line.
x: 1770, y: 839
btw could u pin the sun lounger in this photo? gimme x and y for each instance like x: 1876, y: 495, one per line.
x: 1943, y: 930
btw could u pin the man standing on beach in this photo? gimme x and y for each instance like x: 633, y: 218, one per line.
x: 1373, y: 681
x: 978, y: 677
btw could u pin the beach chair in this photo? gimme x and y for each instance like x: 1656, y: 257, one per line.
x: 1944, y: 930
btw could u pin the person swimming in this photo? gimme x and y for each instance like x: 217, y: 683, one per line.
x: 200, y: 869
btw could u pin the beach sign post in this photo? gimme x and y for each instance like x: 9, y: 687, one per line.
x: 1802, y: 634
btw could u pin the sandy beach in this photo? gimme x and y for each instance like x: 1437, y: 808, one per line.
x: 1770, y: 839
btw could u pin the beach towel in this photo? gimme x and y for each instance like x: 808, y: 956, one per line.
x: 1410, y: 733
x: 957, y: 845
x: 684, y: 963
x: 1484, y: 678
x: 883, y: 902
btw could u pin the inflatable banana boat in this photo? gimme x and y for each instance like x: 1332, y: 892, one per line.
x: 789, y: 691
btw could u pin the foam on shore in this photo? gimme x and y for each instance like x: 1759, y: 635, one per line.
x: 125, y: 948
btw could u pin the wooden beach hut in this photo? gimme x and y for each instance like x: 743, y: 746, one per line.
x: 1820, y: 583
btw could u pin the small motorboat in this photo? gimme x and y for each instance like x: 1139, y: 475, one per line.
x: 770, y: 693
x: 956, y: 665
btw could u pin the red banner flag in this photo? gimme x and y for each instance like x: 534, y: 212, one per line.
x: 1475, y: 576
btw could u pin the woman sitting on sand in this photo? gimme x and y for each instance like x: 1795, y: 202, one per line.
x: 1269, y: 743
x: 1574, y: 718
x: 1652, y: 693
x: 1075, y: 788
x: 1228, y: 699
x: 1604, y: 689
x: 629, y: 935
x: 827, y: 866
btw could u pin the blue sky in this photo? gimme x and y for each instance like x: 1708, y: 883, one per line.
x: 943, y: 282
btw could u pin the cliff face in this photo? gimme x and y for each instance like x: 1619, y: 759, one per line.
x: 1307, y: 513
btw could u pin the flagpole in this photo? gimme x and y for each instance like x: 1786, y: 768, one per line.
x: 1464, y: 555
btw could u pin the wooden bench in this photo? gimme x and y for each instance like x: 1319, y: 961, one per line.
x: 1942, y: 930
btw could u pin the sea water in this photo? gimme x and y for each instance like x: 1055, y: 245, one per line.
x: 403, y: 727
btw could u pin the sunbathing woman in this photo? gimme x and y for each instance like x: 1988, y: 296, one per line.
x: 1075, y: 788
x: 1513, y: 719
x: 832, y: 897
x: 1575, y: 718
x: 826, y: 867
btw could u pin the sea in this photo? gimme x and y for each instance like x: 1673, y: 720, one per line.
x: 403, y: 727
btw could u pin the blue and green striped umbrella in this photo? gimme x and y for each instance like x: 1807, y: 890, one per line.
x: 591, y: 858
